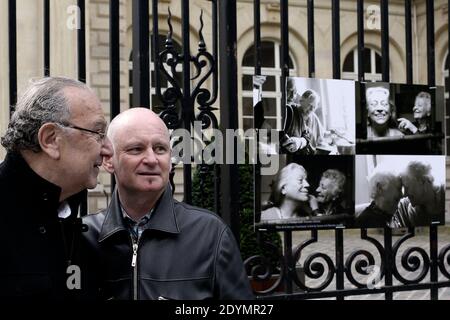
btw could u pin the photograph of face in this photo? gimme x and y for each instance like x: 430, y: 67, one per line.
x: 399, y: 119
x: 381, y: 120
x: 399, y: 191
x: 308, y: 192
x: 422, y: 106
x: 331, y: 186
x: 421, y: 115
x: 319, y: 117
x: 378, y: 106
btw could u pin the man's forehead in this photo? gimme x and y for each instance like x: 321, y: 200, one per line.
x: 93, y: 120
x: 84, y: 103
x: 145, y: 128
x: 134, y: 135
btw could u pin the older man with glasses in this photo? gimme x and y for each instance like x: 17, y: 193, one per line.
x: 55, y: 146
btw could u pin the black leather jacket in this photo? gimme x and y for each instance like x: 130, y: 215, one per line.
x: 36, y: 246
x: 184, y: 252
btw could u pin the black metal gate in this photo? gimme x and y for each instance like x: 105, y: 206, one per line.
x: 183, y: 103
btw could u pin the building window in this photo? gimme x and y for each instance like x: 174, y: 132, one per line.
x: 154, y: 99
x: 372, y: 65
x: 270, y: 67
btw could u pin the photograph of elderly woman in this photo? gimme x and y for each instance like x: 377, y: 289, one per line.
x: 399, y: 191
x: 319, y: 117
x: 400, y: 119
x: 308, y: 192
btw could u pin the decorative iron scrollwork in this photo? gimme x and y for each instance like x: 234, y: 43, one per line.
x: 366, y: 259
x: 316, y: 270
x: 410, y: 261
x: 444, y: 261
x: 205, y: 66
x: 204, y: 97
x: 170, y: 57
x: 361, y: 266
x: 313, y: 269
x: 261, y: 270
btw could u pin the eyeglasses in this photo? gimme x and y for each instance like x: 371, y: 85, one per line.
x: 100, y: 136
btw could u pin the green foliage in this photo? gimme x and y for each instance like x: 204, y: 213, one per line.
x: 203, y: 196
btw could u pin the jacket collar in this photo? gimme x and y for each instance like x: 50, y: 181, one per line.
x: 376, y: 210
x: 33, y: 187
x: 31, y: 184
x: 162, y: 219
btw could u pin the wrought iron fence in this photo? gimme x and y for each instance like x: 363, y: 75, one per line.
x: 184, y: 103
x: 320, y: 265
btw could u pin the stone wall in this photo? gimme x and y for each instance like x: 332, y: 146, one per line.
x: 98, y: 78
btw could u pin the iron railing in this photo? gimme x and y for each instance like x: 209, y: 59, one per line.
x: 220, y: 67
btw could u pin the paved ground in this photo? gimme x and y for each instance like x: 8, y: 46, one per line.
x: 353, y: 242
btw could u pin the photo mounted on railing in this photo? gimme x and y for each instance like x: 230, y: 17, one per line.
x: 307, y: 192
x: 399, y: 191
x: 266, y: 117
x: 400, y: 119
x: 319, y: 117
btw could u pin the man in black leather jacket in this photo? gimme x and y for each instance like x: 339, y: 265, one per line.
x: 145, y: 244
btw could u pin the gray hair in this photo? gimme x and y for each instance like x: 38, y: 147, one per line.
x: 43, y: 101
x: 427, y: 98
x: 284, y: 176
x: 338, y: 177
x: 419, y: 171
x: 380, y: 180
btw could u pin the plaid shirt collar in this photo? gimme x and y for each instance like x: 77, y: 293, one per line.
x: 135, y: 227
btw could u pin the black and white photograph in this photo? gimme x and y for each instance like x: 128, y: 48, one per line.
x: 399, y: 191
x: 307, y: 192
x: 264, y: 118
x: 400, y: 119
x: 319, y: 117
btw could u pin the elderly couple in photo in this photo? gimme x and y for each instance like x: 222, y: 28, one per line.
x: 291, y: 198
x: 145, y: 245
x: 409, y: 199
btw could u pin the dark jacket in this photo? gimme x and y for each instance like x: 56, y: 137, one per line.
x: 35, y: 244
x: 371, y: 216
x: 184, y: 252
x: 409, y: 216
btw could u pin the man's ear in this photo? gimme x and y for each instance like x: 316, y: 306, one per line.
x: 380, y: 189
x: 108, y: 164
x: 50, y: 140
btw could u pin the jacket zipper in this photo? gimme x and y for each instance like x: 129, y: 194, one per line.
x: 135, y: 269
